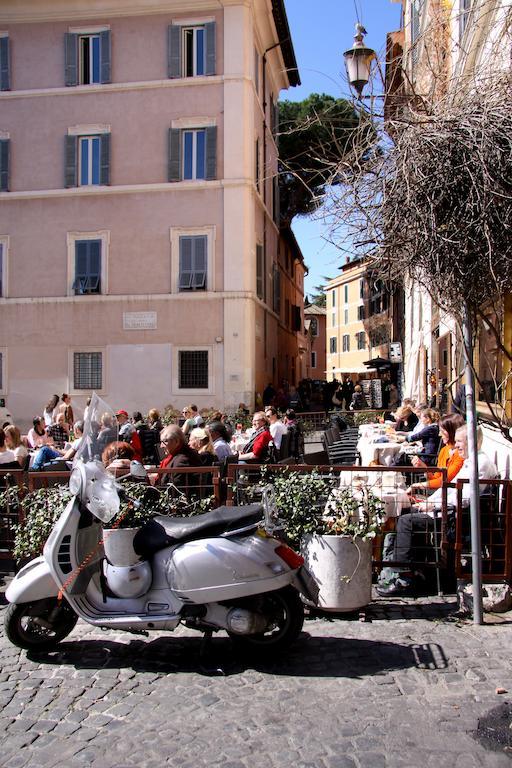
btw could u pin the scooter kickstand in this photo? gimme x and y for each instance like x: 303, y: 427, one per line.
x: 204, y: 653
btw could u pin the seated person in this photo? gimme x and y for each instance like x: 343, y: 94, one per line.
x: 59, y: 431
x: 421, y: 517
x: 128, y: 433
x: 107, y: 433
x: 448, y: 458
x: 428, y: 436
x: 48, y: 454
x: 256, y: 451
x: 14, y: 443
x: 219, y: 436
x: 175, y: 444
x: 37, y: 435
x: 201, y: 442
x: 7, y: 457
x: 405, y: 419
x: 117, y: 457
x: 276, y: 426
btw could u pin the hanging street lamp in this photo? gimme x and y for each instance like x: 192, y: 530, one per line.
x: 358, y: 60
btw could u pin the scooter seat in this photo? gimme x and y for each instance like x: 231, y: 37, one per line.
x: 162, y: 531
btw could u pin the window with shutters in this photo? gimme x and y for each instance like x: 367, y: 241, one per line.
x: 345, y: 316
x: 346, y: 342
x: 193, y: 263
x: 360, y: 312
x: 5, y: 145
x: 191, y: 50
x: 87, y: 267
x: 87, y: 57
x: 87, y: 370
x: 257, y: 166
x: 416, y: 10
x: 345, y: 291
x: 333, y: 344
x: 313, y: 359
x: 361, y: 340
x: 192, y: 153
x: 5, y: 63
x: 193, y: 369
x: 296, y: 318
x: 87, y: 160
x: 277, y: 289
x: 313, y: 326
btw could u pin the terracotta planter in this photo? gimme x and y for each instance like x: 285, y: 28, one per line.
x: 342, y: 569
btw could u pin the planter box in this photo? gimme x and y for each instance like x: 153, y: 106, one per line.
x: 342, y: 569
x: 118, y: 546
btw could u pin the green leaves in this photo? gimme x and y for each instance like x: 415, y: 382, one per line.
x: 41, y: 509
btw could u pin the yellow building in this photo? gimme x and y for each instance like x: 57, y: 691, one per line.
x: 359, y: 325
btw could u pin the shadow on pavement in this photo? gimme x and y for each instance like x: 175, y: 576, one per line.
x: 308, y: 657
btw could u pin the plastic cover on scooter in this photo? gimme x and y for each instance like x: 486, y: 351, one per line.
x: 99, y: 488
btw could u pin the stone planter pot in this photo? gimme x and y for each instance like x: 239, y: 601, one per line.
x: 118, y: 546
x: 342, y: 569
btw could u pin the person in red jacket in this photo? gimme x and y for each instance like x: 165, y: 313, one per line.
x: 257, y: 450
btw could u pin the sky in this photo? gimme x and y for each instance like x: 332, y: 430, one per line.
x: 321, y: 30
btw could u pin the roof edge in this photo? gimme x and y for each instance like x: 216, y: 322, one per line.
x: 283, y: 32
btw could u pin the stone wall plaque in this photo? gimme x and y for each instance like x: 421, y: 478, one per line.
x: 139, y: 321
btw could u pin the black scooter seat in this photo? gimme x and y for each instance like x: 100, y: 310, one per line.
x: 162, y: 531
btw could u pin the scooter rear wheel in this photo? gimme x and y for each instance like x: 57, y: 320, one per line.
x: 285, y: 614
x: 39, y: 626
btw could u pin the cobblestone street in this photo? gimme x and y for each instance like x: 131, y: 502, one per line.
x: 403, y: 688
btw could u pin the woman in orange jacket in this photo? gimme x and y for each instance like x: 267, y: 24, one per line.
x: 448, y: 458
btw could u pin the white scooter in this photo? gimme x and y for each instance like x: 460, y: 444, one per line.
x: 222, y: 570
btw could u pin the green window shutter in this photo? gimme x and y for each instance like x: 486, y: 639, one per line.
x: 174, y: 169
x: 210, y: 48
x: 105, y: 159
x: 4, y: 165
x: 71, y: 58
x: 71, y: 170
x: 174, y: 51
x: 211, y: 152
x: 105, y: 57
x: 5, y: 82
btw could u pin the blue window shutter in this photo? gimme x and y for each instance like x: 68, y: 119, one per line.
x: 5, y: 82
x: 4, y: 165
x: 105, y: 159
x: 71, y: 58
x: 210, y: 48
x: 211, y: 152
x: 105, y: 56
x: 71, y: 170
x: 174, y: 169
x: 174, y: 51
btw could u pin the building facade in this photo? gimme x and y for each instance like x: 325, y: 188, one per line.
x: 138, y: 205
x: 316, y: 360
x: 362, y: 320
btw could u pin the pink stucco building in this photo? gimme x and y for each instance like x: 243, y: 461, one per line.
x: 138, y: 201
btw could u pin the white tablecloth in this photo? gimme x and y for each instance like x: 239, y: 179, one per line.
x: 373, y: 451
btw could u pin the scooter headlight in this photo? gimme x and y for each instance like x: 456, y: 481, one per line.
x: 75, y: 481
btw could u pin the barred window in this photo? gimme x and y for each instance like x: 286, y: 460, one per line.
x: 193, y: 369
x: 87, y: 370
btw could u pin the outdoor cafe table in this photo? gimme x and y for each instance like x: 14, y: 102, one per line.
x: 387, y: 486
x: 383, y: 453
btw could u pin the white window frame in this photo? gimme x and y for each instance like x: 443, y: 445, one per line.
x: 313, y: 359
x: 4, y: 243
x: 175, y: 371
x: 3, y: 363
x: 72, y: 237
x: 71, y: 372
x: 194, y: 28
x: 174, y: 235
x: 89, y: 140
x: 194, y: 131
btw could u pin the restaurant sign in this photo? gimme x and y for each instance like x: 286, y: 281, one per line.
x: 395, y: 352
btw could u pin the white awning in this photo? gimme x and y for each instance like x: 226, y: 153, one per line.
x: 354, y: 369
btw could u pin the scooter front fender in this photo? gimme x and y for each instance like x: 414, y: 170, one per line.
x: 33, y: 582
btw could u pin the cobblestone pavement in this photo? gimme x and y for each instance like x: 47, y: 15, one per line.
x: 404, y: 688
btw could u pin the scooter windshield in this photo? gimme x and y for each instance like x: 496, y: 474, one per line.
x: 100, y: 429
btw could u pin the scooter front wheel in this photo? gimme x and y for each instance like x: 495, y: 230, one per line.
x: 39, y: 626
x: 284, y: 613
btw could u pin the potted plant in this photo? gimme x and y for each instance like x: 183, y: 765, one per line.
x: 334, y: 528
